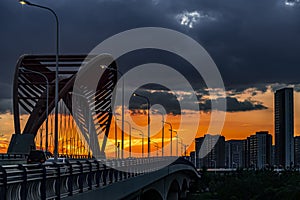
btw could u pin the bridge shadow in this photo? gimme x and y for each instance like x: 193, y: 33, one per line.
x: 151, y: 194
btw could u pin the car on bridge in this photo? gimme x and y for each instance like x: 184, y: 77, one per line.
x: 59, y: 160
x: 36, y: 157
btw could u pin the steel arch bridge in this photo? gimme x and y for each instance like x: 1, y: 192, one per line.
x: 30, y: 96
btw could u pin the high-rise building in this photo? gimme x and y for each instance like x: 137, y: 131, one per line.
x: 246, y: 153
x: 297, y: 151
x: 210, y: 153
x: 234, y: 153
x: 284, y: 127
x: 258, y: 150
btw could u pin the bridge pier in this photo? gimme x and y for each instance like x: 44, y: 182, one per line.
x: 21, y: 144
x: 174, y: 191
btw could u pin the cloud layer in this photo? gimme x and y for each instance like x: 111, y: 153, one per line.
x: 254, y: 43
x: 170, y: 102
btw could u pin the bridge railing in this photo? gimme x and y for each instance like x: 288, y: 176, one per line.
x: 13, y: 156
x: 58, y: 180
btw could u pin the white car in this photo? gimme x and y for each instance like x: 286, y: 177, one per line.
x: 59, y: 160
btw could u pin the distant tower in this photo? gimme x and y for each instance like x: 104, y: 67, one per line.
x: 284, y: 127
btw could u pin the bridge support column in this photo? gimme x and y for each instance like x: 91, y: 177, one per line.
x: 21, y: 144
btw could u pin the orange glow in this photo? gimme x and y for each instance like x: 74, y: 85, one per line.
x: 238, y: 125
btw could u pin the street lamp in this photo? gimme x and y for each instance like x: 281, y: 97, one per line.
x: 118, y: 146
x: 123, y: 111
x: 181, y: 148
x: 156, y: 145
x: 181, y: 142
x: 142, y: 134
x: 171, y: 130
x: 47, y: 100
x: 127, y: 122
x: 129, y: 137
x: 162, y: 132
x: 23, y: 2
x: 185, y: 149
x: 176, y: 142
x: 116, y: 139
x: 148, y: 108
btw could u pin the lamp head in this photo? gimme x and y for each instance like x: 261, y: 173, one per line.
x: 23, y: 2
x: 134, y: 94
x: 103, y: 67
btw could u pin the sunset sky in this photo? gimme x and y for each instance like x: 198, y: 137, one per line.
x: 255, y: 45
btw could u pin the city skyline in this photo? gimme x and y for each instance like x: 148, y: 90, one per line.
x: 175, y: 119
x: 255, y: 151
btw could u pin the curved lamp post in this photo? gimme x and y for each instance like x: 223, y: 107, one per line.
x: 129, y: 136
x: 156, y: 145
x: 129, y: 125
x: 23, y: 2
x: 162, y: 131
x: 182, y: 144
x: 171, y: 130
x: 176, y: 142
x: 148, y: 108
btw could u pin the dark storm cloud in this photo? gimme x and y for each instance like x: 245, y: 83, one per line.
x: 254, y: 43
x: 235, y: 105
x: 163, y: 98
x: 171, y: 104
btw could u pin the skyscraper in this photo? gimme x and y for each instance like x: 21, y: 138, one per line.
x: 258, y: 150
x: 215, y: 151
x: 284, y: 127
x: 234, y: 153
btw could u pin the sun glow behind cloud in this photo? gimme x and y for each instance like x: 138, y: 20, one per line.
x: 190, y: 19
x: 291, y: 2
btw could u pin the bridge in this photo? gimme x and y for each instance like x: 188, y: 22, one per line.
x: 91, y: 179
x: 157, y: 177
x: 33, y: 95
